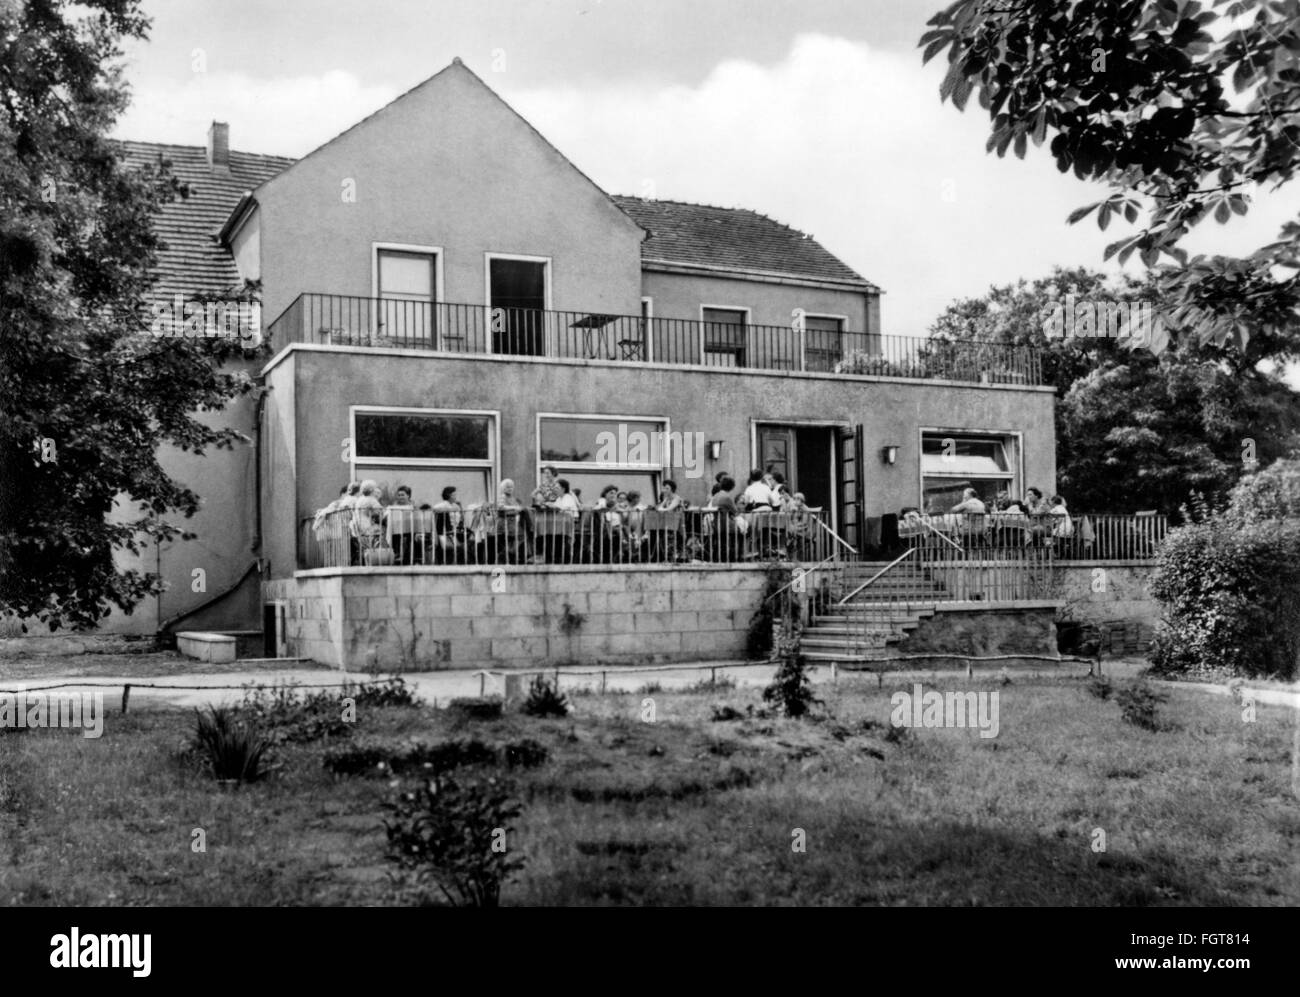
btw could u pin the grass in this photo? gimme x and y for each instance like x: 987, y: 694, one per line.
x: 691, y: 811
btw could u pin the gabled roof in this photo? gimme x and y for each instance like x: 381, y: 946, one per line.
x: 458, y: 66
x: 733, y: 239
x: 193, y: 261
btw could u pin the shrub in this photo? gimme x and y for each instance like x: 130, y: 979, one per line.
x: 1138, y: 703
x: 455, y: 835
x: 1230, y: 593
x: 861, y: 362
x: 477, y: 707
x: 229, y: 746
x: 723, y: 714
x: 1270, y: 494
x: 545, y: 699
x: 393, y: 692
x: 758, y: 639
x: 292, y: 715
x: 385, y: 758
x: 1099, y: 686
x: 790, y: 689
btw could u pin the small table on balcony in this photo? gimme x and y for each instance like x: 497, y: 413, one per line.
x: 597, y: 341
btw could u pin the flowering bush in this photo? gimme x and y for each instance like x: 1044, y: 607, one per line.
x: 1230, y: 585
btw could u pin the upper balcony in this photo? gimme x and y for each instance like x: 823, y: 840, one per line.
x: 342, y: 320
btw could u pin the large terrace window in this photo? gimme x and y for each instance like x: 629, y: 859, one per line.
x: 591, y: 452
x: 427, y: 449
x: 952, y: 462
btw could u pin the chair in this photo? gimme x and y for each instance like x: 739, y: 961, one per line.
x: 400, y: 532
x: 664, y: 530
x: 631, y: 349
x: 554, y: 530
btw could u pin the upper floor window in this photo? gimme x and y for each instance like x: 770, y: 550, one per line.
x: 724, y: 336
x: 406, y: 284
x: 823, y: 341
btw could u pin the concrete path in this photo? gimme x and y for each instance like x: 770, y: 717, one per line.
x: 438, y: 687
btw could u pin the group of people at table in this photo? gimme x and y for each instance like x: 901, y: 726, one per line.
x: 360, y: 515
x: 1030, y: 520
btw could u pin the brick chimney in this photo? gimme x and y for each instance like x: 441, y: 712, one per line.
x: 219, y: 145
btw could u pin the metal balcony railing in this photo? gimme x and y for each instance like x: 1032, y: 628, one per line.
x: 490, y: 535
x: 343, y: 320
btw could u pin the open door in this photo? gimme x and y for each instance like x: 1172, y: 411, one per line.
x: 851, y: 485
x: 517, y: 291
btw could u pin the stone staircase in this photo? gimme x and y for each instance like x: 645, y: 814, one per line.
x: 871, y: 625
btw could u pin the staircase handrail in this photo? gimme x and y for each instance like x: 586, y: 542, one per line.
x: 833, y: 556
x: 883, y: 571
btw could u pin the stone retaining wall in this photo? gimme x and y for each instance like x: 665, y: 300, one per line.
x: 419, y: 619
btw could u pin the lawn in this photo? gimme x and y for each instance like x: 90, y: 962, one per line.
x: 685, y: 810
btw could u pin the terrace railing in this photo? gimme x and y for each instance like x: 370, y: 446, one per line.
x: 490, y: 535
x: 342, y: 320
x: 1080, y: 536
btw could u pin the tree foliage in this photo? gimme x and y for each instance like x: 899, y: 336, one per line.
x: 1229, y: 583
x: 1185, y: 111
x: 1136, y: 430
x: 87, y: 396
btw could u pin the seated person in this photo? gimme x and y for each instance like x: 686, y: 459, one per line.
x: 568, y: 501
x: 757, y: 496
x: 547, y: 493
x: 669, y: 500
x: 970, y: 503
x: 506, y: 498
x: 1063, y: 526
x: 403, y: 553
x: 635, y: 517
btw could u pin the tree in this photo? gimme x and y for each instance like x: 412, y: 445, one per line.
x: 1135, y: 430
x: 1133, y: 95
x: 86, y: 394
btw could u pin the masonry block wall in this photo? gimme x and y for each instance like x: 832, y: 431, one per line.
x: 517, y: 617
x: 1113, y: 598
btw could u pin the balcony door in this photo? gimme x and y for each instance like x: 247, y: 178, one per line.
x: 406, y: 284
x: 518, y: 300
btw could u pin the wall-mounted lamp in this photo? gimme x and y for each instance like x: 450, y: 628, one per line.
x: 715, y: 449
x: 889, y: 454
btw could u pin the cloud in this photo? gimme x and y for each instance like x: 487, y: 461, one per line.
x: 288, y: 116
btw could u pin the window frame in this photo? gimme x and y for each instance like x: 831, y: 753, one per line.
x: 490, y: 464
x: 803, y: 340
x: 748, y: 314
x: 657, y: 472
x: 376, y: 248
x: 1016, y: 475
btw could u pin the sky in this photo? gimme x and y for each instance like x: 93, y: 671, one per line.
x: 817, y: 113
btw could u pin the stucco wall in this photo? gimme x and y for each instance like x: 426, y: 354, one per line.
x: 524, y: 617
x: 681, y: 295
x: 448, y: 165
x: 721, y: 405
x: 225, y: 525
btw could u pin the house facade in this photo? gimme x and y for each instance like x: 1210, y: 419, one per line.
x: 449, y: 300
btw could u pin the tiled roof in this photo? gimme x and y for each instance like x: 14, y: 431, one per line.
x: 193, y: 262
x: 683, y: 234
x: 732, y: 239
